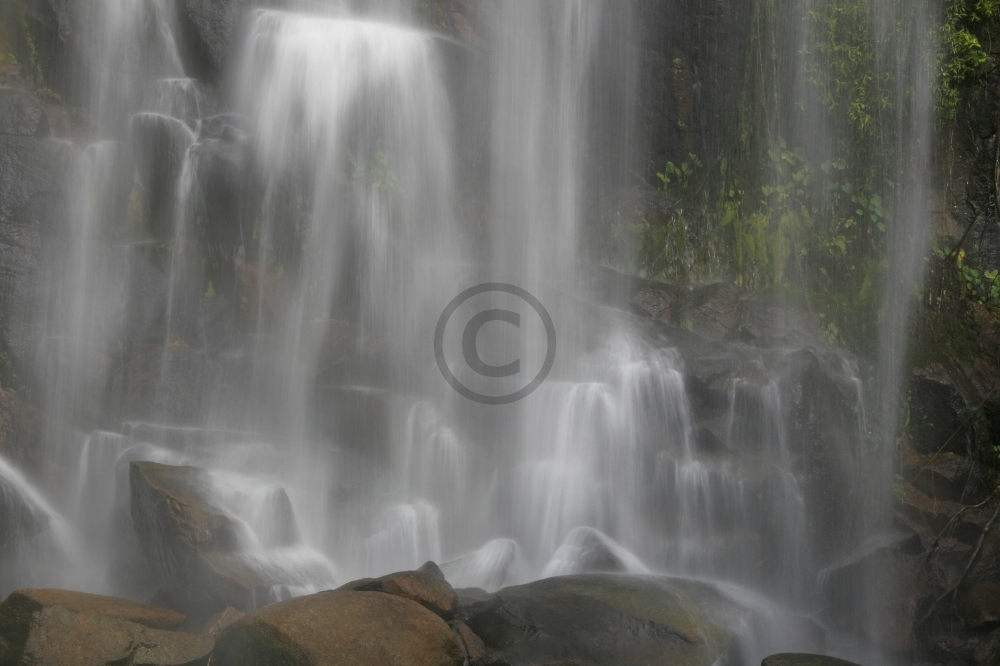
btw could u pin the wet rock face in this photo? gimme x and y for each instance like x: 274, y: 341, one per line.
x: 160, y: 144
x: 77, y: 629
x: 937, y: 415
x: 20, y: 115
x: 208, y: 28
x: 365, y: 628
x: 191, y: 544
x: 606, y: 619
x: 33, y: 186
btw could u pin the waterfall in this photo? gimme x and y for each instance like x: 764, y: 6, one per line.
x: 252, y: 283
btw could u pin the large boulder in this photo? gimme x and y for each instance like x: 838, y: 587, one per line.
x: 338, y: 628
x: 76, y: 629
x: 790, y: 659
x: 594, y: 619
x: 192, y: 544
x: 427, y: 586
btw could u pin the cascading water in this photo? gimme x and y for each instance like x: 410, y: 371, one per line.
x: 280, y: 341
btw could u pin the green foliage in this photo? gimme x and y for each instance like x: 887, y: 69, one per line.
x: 815, y: 222
x: 679, y: 175
x: 983, y: 287
x: 842, y: 62
x: 842, y: 56
x: 376, y: 173
x: 961, y: 52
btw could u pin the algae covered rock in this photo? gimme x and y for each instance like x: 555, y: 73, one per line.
x: 75, y: 629
x: 593, y: 619
x: 334, y: 628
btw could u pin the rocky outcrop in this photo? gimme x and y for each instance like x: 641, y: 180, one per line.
x: 20, y: 115
x: 19, y: 429
x: 191, y: 544
x: 340, y: 627
x: 34, y: 173
x: 208, y: 31
x: 74, y: 629
x: 426, y: 586
x: 607, y: 619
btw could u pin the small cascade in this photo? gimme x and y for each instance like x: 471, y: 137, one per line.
x: 37, y: 545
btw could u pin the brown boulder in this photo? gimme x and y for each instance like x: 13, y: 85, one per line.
x: 222, y: 621
x: 153, y: 617
x: 191, y: 544
x: 340, y: 628
x: 475, y: 649
x: 40, y: 627
x: 426, y: 586
x: 789, y: 659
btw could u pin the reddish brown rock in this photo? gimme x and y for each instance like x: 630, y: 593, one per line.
x: 426, y: 586
x: 42, y: 627
x: 190, y: 543
x: 222, y: 621
x: 354, y: 585
x: 338, y: 628
x: 153, y: 617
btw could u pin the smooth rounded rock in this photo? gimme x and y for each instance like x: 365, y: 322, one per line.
x: 96, y: 604
x: 608, y: 619
x: 58, y: 627
x: 426, y: 586
x: 795, y: 659
x: 340, y: 629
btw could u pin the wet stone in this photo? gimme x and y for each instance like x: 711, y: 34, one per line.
x: 75, y: 629
x: 426, y: 586
x: 792, y: 659
x: 333, y: 628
